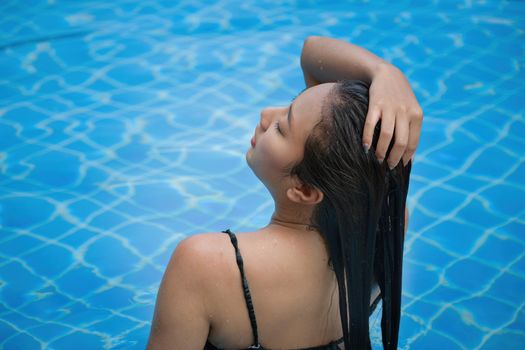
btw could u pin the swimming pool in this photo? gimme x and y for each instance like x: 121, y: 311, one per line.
x: 124, y: 127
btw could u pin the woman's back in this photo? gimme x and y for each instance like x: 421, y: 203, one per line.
x: 291, y: 287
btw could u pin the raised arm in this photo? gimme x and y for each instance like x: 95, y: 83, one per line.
x: 391, y: 98
x: 326, y: 60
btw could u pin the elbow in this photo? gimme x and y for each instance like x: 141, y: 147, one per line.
x: 307, y: 60
x: 310, y: 41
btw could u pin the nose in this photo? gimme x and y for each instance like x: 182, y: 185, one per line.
x: 267, y: 115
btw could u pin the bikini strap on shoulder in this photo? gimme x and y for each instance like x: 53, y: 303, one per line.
x: 247, y: 295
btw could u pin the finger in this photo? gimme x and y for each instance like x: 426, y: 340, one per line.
x: 401, y: 140
x: 385, y: 136
x: 370, y: 123
x: 413, y: 140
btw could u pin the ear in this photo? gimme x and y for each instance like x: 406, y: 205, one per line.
x: 304, y: 194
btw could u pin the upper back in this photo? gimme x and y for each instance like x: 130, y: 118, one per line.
x: 294, y: 293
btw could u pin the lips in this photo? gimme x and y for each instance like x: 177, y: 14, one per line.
x: 253, y: 141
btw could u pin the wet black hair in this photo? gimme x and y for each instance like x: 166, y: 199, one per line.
x: 362, y: 215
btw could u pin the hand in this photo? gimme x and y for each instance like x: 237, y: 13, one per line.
x: 392, y: 101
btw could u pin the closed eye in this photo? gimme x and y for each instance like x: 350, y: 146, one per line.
x: 277, y: 127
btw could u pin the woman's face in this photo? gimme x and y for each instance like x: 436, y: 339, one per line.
x: 280, y: 137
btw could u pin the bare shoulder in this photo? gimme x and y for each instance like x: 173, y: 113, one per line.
x: 182, y: 310
x: 207, y: 263
x: 201, y: 251
x: 206, y: 259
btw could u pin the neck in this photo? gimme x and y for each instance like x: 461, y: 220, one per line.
x: 292, y: 216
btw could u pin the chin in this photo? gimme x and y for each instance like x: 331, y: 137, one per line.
x: 249, y: 161
x: 247, y: 157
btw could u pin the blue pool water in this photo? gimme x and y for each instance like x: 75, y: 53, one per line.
x: 124, y: 125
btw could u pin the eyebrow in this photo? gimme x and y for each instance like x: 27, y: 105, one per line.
x: 290, y: 117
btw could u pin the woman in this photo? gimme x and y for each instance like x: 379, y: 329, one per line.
x: 338, y: 225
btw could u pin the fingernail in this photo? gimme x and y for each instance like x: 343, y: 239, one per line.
x: 391, y: 166
x: 380, y: 160
x: 366, y: 147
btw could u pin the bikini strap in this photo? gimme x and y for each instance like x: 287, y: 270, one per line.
x: 247, y: 295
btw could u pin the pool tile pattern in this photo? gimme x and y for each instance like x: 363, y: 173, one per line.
x: 124, y: 127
